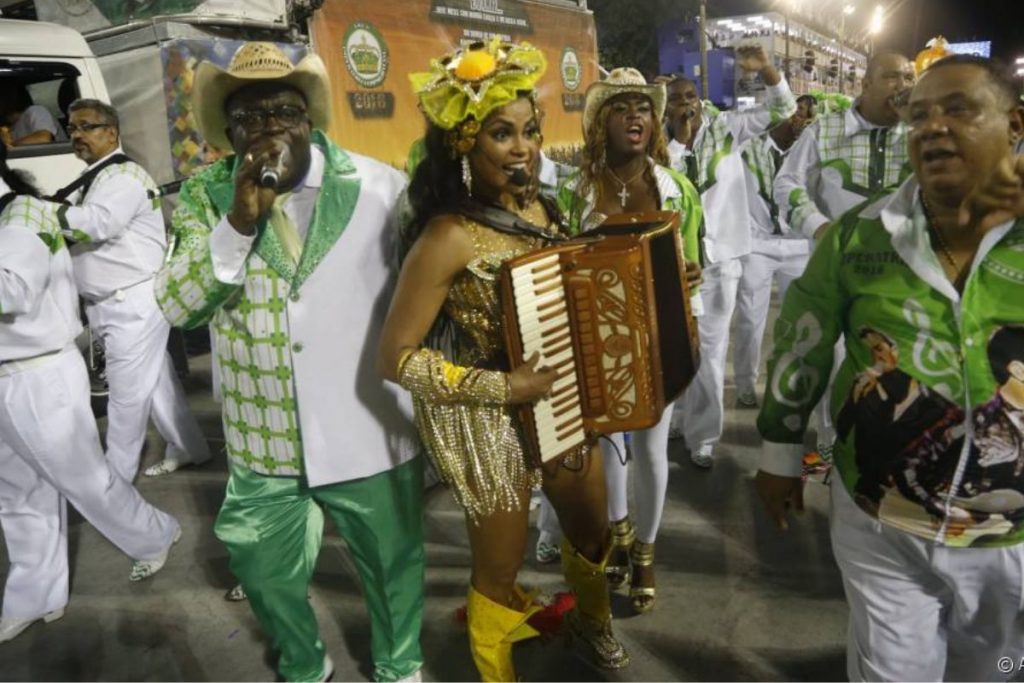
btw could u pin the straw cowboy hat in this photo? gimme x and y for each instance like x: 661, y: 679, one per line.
x: 624, y: 79
x: 255, y: 62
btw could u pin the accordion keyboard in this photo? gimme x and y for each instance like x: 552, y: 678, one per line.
x: 544, y: 329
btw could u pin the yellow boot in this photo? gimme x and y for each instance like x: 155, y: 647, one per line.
x: 590, y: 623
x: 492, y: 630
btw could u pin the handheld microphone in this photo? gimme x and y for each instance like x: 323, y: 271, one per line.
x: 520, y: 177
x: 270, y: 174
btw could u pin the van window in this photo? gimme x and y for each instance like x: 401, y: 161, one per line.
x: 34, y: 99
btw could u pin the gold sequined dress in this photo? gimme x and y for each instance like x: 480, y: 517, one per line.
x: 477, y: 449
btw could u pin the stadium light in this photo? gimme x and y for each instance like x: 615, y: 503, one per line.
x: 877, y: 19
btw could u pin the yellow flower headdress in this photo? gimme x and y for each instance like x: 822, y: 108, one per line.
x: 461, y: 89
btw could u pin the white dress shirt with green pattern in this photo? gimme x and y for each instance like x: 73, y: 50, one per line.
x: 38, y: 299
x: 838, y: 162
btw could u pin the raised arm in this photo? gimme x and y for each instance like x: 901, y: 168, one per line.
x: 779, y: 101
x: 208, y: 262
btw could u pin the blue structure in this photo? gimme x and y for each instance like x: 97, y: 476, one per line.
x: 679, y: 53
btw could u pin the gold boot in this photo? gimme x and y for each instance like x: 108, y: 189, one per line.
x: 642, y: 597
x: 492, y: 630
x: 623, y: 535
x: 590, y: 623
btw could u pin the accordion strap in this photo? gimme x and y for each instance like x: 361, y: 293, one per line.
x: 84, y: 181
x: 503, y: 220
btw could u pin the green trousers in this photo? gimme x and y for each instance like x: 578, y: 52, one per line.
x: 272, y: 527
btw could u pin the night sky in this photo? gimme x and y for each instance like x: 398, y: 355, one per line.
x: 1001, y: 21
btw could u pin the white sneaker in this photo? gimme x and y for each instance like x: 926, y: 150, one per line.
x: 704, y: 457
x: 746, y: 398
x: 328, y: 669
x: 236, y: 594
x: 167, y: 465
x: 11, y: 627
x: 415, y: 677
x: 143, y: 569
x: 547, y: 553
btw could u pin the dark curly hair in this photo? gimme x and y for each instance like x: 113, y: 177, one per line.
x: 436, y: 187
x: 437, y: 181
x: 16, y: 180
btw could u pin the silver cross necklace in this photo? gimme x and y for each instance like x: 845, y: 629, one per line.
x: 624, y: 193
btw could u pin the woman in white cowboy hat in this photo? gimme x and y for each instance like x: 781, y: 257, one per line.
x: 625, y: 170
x: 282, y: 251
x: 483, y: 149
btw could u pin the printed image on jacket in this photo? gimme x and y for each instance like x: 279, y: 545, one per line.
x: 885, y: 415
x: 907, y: 443
x: 993, y: 481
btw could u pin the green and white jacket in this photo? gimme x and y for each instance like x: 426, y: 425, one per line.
x: 296, y: 344
x: 930, y: 436
x: 838, y: 162
x: 38, y: 298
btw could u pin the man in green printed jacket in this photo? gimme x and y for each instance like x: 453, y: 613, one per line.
x: 927, y: 516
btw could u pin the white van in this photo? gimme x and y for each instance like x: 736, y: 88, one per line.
x: 56, y: 65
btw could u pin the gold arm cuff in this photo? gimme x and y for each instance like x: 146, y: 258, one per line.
x: 426, y: 374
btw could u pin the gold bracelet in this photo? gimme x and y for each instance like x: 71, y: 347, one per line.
x: 426, y: 374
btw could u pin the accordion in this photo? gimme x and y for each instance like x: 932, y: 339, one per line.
x: 610, y: 312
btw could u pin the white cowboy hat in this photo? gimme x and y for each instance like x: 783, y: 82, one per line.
x: 252, y: 63
x: 624, y: 79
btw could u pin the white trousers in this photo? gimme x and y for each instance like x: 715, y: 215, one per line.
x: 924, y: 612
x: 142, y: 381
x: 769, y: 262
x: 650, y: 477
x: 50, y: 453
x: 700, y: 412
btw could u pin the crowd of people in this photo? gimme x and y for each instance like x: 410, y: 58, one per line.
x: 893, y: 230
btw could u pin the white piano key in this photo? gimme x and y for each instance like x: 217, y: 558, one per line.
x: 536, y: 334
x: 556, y: 361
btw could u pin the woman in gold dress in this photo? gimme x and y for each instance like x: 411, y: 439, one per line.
x: 483, y: 145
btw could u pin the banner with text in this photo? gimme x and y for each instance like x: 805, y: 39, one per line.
x: 370, y: 47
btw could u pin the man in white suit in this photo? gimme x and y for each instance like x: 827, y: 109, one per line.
x: 119, y: 244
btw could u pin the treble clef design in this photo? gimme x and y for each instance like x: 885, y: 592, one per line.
x: 794, y: 381
x: 931, y: 357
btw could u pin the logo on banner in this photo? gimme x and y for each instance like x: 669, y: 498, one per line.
x: 572, y: 73
x: 366, y: 54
